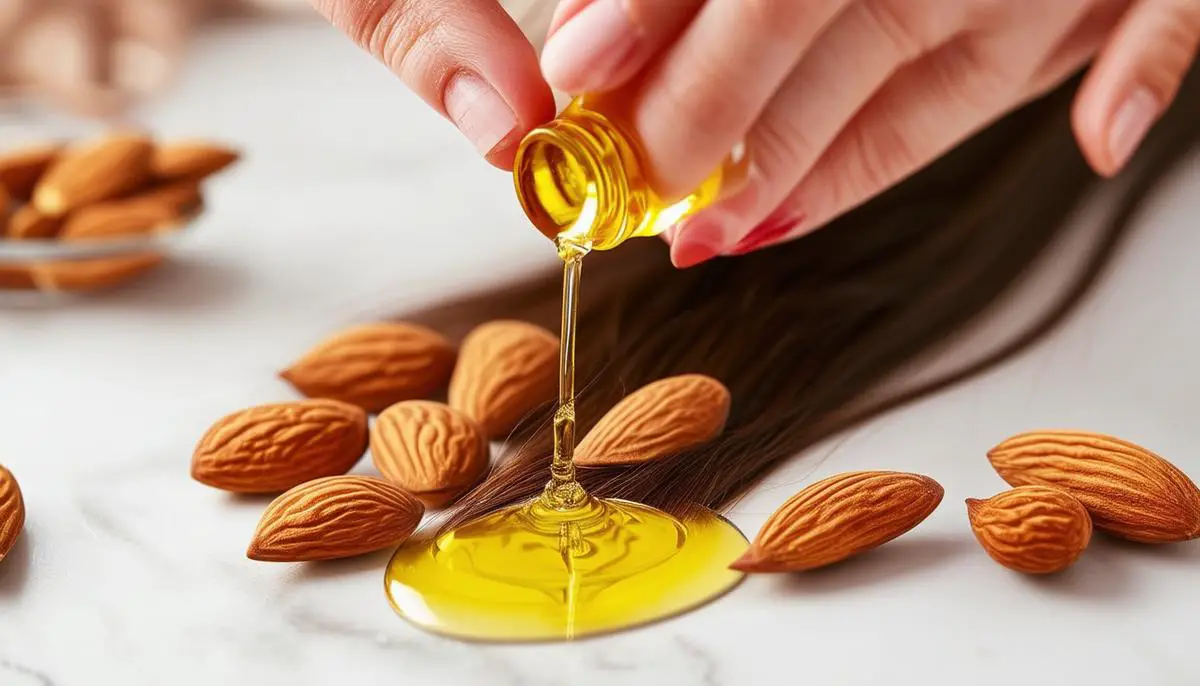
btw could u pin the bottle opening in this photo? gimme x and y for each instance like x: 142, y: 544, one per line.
x: 555, y: 182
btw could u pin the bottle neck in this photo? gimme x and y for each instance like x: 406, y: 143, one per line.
x: 570, y: 177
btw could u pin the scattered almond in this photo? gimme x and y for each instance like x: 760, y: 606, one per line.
x: 335, y: 517
x: 657, y: 420
x: 12, y: 511
x: 28, y: 224
x: 191, y: 160
x: 839, y: 517
x: 506, y: 370
x: 375, y: 365
x: 1129, y: 491
x: 429, y: 449
x: 113, y: 166
x: 1031, y: 529
x: 20, y: 170
x: 271, y: 448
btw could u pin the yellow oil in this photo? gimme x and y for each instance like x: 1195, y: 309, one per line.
x: 566, y: 565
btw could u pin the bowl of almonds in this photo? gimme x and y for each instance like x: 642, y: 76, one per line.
x: 92, y: 214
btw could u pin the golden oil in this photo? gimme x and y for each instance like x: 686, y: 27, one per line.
x: 567, y: 565
x: 583, y: 178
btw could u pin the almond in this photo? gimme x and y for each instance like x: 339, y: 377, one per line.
x: 506, y: 370
x: 6, y: 203
x: 375, y: 365
x: 1130, y: 492
x: 12, y: 511
x: 335, y: 517
x: 1031, y: 529
x: 107, y: 221
x: 271, y: 448
x: 20, y: 170
x: 191, y: 160
x: 29, y: 224
x: 93, y: 274
x: 659, y: 419
x: 113, y: 166
x: 838, y: 517
x: 16, y: 277
x: 430, y: 450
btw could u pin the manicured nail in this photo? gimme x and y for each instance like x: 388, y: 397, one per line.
x: 773, y: 229
x: 1131, y: 123
x: 479, y: 112
x: 697, y: 240
x: 585, y: 53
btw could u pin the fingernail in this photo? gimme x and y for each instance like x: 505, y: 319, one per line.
x: 776, y: 227
x: 697, y: 240
x: 479, y: 112
x: 1131, y: 123
x: 585, y: 53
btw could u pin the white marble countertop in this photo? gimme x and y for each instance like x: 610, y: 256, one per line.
x: 354, y: 202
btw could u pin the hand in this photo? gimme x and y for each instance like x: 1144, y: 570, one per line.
x: 837, y: 100
x: 94, y: 57
x: 466, y: 58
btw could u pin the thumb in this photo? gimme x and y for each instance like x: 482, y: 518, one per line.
x: 466, y: 58
x: 1134, y: 80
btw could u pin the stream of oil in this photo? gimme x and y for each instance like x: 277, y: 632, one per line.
x: 563, y: 565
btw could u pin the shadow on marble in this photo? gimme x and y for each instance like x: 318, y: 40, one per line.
x: 15, y: 567
x: 327, y: 569
x: 179, y: 285
x: 902, y: 557
x: 1101, y: 573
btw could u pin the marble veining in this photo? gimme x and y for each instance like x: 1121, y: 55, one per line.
x: 354, y: 202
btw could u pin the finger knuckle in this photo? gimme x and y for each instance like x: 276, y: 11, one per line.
x: 392, y: 30
x: 882, y: 153
x: 772, y: 20
x: 973, y: 79
x: 708, y: 90
x: 781, y: 146
x: 895, y: 25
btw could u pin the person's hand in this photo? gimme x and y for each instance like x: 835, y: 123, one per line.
x: 466, y: 58
x: 837, y: 100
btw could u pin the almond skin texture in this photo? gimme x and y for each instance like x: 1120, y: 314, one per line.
x: 375, y: 365
x: 27, y: 223
x: 20, y: 170
x: 12, y: 511
x: 430, y: 450
x: 1031, y: 529
x: 104, y: 169
x: 657, y: 420
x: 335, y: 517
x: 506, y: 370
x: 839, y: 517
x: 1129, y: 491
x: 118, y: 220
x: 191, y: 160
x: 271, y: 448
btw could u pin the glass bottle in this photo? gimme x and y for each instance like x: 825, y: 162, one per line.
x: 581, y: 177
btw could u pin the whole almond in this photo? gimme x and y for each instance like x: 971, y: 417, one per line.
x: 271, y: 448
x: 94, y: 273
x: 506, y: 369
x: 657, y: 420
x: 106, y: 221
x: 1129, y: 491
x: 839, y: 517
x: 20, y: 170
x: 335, y: 517
x: 191, y: 160
x: 12, y: 511
x: 375, y: 365
x: 429, y: 449
x: 1031, y: 529
x: 29, y: 224
x: 113, y: 166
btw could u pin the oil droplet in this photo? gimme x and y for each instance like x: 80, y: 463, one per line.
x: 530, y: 572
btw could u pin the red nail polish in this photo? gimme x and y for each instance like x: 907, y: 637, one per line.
x: 773, y: 228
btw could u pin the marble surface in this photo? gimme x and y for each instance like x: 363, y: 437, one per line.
x: 355, y: 202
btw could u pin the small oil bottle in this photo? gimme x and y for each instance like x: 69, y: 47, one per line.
x: 582, y: 177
